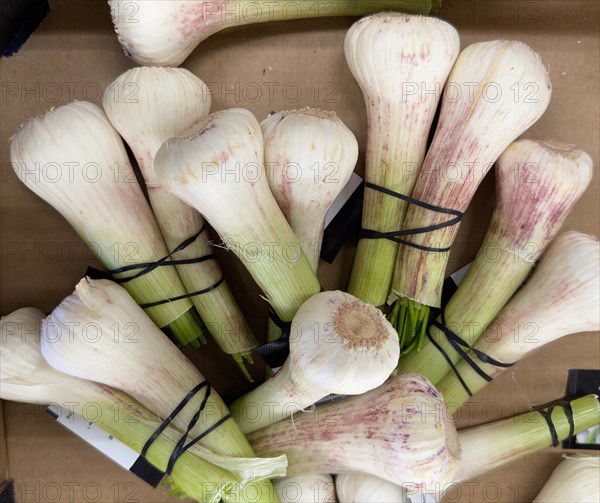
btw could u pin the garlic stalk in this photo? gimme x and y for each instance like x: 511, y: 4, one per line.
x: 217, y: 167
x: 338, y: 344
x: 99, y: 333
x: 311, y: 488
x: 496, y: 90
x: 399, y: 431
x: 26, y: 377
x: 163, y: 103
x: 401, y: 64
x: 165, y: 32
x: 75, y: 161
x: 562, y: 297
x: 576, y: 479
x: 309, y: 157
x: 537, y: 184
x: 496, y: 444
x: 361, y: 488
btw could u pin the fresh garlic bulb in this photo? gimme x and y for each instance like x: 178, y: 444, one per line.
x: 74, y: 160
x: 165, y: 32
x: 338, y: 344
x: 361, y: 488
x: 537, y: 184
x: 401, y: 64
x: 491, y: 445
x: 576, y: 479
x: 99, y: 333
x: 148, y: 106
x: 310, y: 488
x: 496, y: 90
x: 561, y: 298
x: 26, y: 377
x: 309, y: 157
x: 399, y: 431
x: 217, y: 167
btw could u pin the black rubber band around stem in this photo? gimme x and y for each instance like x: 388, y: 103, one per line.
x: 394, y: 235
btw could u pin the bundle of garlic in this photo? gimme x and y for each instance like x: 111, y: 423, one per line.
x: 361, y: 488
x: 99, y: 333
x: 309, y: 157
x: 576, y: 479
x: 165, y: 32
x: 401, y: 64
x: 561, y: 298
x: 537, y: 184
x: 75, y: 161
x: 499, y: 443
x: 217, y: 167
x: 338, y: 344
x: 399, y: 431
x: 166, y: 102
x: 310, y: 488
x: 477, y: 122
x: 26, y: 377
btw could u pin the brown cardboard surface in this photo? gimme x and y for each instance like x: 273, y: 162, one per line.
x: 75, y: 55
x: 4, y: 469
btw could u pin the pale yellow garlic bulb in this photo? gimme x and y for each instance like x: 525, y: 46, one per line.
x: 309, y: 157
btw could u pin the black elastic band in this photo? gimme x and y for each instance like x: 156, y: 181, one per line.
x: 148, y: 267
x: 458, y: 344
x: 394, y: 235
x: 547, y: 415
x: 184, y: 296
x: 181, y: 446
x: 284, y: 326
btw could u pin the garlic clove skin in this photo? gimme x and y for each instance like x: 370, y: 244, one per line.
x: 149, y: 105
x: 310, y: 488
x: 538, y: 182
x: 309, y: 157
x: 361, y: 488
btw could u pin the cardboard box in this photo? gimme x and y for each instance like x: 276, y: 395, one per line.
x: 75, y: 55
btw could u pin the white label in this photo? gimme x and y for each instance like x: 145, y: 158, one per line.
x: 459, y: 275
x: 343, y: 197
x: 95, y: 436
